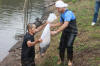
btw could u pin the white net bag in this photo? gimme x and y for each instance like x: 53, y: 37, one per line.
x: 46, y: 37
x: 51, y: 17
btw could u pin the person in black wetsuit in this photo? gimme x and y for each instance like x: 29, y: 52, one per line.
x: 28, y: 46
x: 69, y: 31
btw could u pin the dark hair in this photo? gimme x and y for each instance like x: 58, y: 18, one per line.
x: 30, y: 26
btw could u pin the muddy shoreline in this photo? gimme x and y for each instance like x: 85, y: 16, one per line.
x: 14, y: 56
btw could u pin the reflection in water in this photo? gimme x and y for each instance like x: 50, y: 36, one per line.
x: 11, y: 21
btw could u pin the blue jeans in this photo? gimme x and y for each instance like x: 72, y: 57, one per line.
x: 97, y: 6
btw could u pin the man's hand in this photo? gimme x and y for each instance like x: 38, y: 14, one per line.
x: 47, y: 22
x: 54, y: 32
x: 29, y: 43
x: 40, y: 40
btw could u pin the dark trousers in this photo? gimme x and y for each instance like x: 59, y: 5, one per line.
x: 67, y: 40
x: 97, y: 6
x: 28, y: 62
x: 69, y: 54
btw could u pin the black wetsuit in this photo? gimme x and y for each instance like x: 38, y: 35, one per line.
x: 28, y: 53
x: 67, y: 39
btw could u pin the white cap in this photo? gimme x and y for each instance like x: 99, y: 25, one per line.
x: 60, y: 4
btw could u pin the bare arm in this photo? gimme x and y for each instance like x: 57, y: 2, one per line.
x: 40, y: 27
x: 60, y: 28
x: 63, y: 27
x: 29, y: 43
x: 55, y: 25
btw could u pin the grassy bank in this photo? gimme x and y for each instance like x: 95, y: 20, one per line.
x: 87, y: 43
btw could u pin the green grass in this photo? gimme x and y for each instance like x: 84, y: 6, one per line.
x: 81, y: 47
x: 73, y: 1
